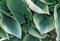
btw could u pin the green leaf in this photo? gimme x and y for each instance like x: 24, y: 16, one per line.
x: 19, y: 9
x: 43, y: 6
x: 35, y: 8
x: 44, y: 23
x: 57, y: 20
x: 3, y: 7
x: 25, y: 27
x: 11, y: 26
x: 35, y: 33
x: 13, y: 39
x: 3, y: 34
x: 30, y: 38
x: 49, y: 2
x: 58, y: 0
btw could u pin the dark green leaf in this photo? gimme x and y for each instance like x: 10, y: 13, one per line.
x: 3, y: 7
x: 30, y: 38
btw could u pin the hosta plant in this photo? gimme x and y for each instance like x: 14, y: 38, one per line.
x: 29, y: 20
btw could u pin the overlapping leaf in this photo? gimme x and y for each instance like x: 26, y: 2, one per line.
x: 3, y: 34
x: 30, y: 38
x: 36, y: 33
x: 3, y: 7
x: 42, y: 6
x: 37, y: 9
x: 11, y: 26
x: 44, y: 23
x: 57, y: 20
x: 48, y: 1
x: 19, y: 9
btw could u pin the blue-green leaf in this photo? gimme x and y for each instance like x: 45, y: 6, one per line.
x: 44, y: 23
x: 11, y: 26
x: 57, y: 20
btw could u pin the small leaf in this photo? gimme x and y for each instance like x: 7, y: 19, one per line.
x: 35, y: 8
x: 3, y: 34
x: 57, y: 20
x: 13, y: 39
x: 3, y: 7
x: 25, y: 28
x: 36, y: 33
x: 49, y: 2
x: 30, y: 38
x: 11, y: 26
x: 44, y: 23
x: 58, y: 0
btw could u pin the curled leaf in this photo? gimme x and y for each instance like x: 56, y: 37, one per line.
x: 57, y: 20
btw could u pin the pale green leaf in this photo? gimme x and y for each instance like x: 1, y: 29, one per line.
x: 11, y: 26
x: 42, y: 5
x: 44, y: 23
x: 35, y: 8
x: 57, y: 20
x: 49, y: 2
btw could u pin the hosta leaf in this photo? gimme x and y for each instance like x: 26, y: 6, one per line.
x: 3, y: 7
x: 25, y: 28
x: 44, y: 23
x: 30, y: 38
x: 11, y: 26
x: 19, y: 9
x: 3, y: 34
x: 58, y: 0
x: 48, y: 1
x: 57, y: 20
x: 35, y: 33
x: 13, y: 39
x: 35, y: 8
x: 42, y: 6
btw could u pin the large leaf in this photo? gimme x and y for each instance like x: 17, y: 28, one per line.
x: 19, y: 9
x: 30, y: 38
x: 48, y: 1
x: 35, y: 8
x: 3, y: 7
x: 57, y: 20
x: 3, y: 34
x: 44, y: 23
x: 43, y: 6
x: 35, y: 33
x: 11, y: 26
